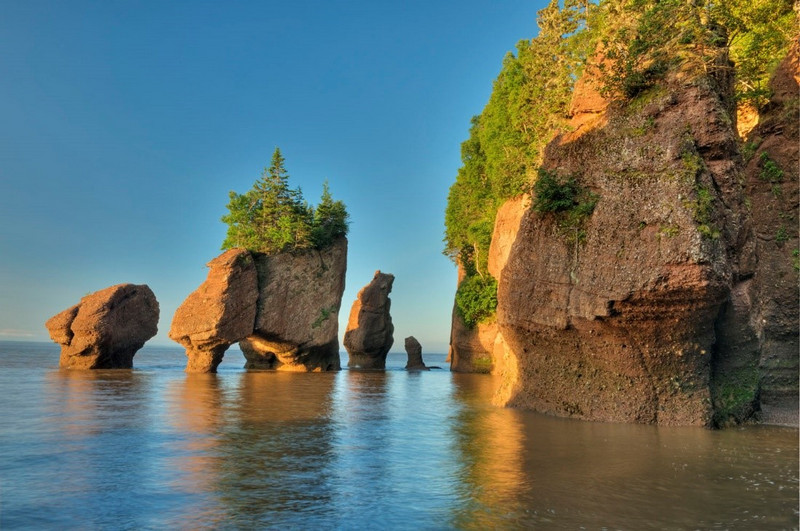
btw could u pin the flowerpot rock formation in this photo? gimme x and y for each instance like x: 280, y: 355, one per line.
x: 282, y: 309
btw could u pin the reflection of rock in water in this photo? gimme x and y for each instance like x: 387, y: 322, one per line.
x: 279, y: 428
x: 99, y: 422
x: 491, y: 445
x: 196, y: 409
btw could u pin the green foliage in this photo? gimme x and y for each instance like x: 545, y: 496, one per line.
x: 734, y: 395
x: 476, y: 299
x: 758, y: 35
x: 271, y: 217
x: 552, y: 194
x: 782, y: 235
x: 564, y: 197
x: 644, y: 39
x: 770, y: 171
x: 324, y: 315
x: 529, y: 103
x: 796, y: 259
x: 703, y: 209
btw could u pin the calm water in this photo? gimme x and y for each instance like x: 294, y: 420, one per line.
x: 156, y: 448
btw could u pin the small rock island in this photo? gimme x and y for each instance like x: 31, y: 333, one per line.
x: 106, y: 328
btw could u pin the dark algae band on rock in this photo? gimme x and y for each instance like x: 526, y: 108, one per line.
x: 654, y: 280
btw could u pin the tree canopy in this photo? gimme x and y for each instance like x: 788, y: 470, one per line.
x: 272, y: 217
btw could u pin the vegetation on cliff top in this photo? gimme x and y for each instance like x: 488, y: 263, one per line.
x: 641, y: 41
x: 272, y: 218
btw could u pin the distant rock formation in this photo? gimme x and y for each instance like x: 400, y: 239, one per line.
x: 282, y: 310
x: 368, y: 337
x: 414, y: 351
x: 106, y: 328
x: 219, y: 313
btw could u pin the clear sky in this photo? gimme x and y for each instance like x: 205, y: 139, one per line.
x: 124, y: 124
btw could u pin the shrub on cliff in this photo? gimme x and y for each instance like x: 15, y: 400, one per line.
x: 272, y: 218
x: 476, y: 299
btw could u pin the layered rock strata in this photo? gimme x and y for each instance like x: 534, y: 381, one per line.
x: 282, y: 310
x: 369, y: 334
x: 106, y: 328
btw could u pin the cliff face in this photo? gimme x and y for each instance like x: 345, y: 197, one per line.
x: 482, y: 349
x: 769, y: 300
x: 674, y: 305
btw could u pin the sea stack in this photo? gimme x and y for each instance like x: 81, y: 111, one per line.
x: 414, y: 351
x: 368, y: 337
x: 282, y: 309
x: 106, y: 328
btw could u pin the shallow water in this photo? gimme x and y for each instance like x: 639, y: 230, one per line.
x: 156, y: 448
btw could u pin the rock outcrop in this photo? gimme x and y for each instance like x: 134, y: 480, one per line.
x: 106, y: 328
x: 368, y: 337
x: 414, y: 351
x: 659, y: 307
x: 764, y: 308
x: 482, y: 349
x: 297, y: 323
x: 218, y: 313
x: 282, y: 310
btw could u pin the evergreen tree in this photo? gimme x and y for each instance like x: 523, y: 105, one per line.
x: 272, y: 217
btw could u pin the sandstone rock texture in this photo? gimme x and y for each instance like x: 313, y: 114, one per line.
x: 297, y: 322
x: 414, y: 351
x: 678, y: 303
x: 282, y: 310
x: 482, y: 349
x: 218, y: 313
x: 765, y: 306
x: 106, y: 328
x: 368, y: 337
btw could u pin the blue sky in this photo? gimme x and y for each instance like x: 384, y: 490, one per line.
x: 123, y: 125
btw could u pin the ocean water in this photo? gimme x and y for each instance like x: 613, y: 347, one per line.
x: 156, y: 448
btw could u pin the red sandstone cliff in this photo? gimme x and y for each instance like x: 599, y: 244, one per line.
x: 680, y: 306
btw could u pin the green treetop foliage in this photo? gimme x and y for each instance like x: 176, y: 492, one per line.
x: 641, y: 40
x: 272, y: 217
x: 644, y: 39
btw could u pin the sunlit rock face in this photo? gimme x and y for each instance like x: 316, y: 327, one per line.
x: 297, y: 319
x: 649, y: 315
x: 481, y: 348
x: 414, y: 351
x: 106, y: 328
x: 282, y: 309
x: 218, y: 313
x: 369, y: 334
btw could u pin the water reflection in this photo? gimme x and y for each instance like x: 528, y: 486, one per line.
x: 274, y: 449
x: 160, y: 449
x: 491, y: 448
